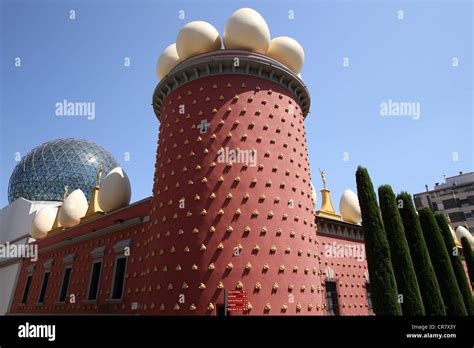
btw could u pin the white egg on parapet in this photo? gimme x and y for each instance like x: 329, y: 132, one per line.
x: 453, y: 234
x: 43, y: 222
x: 287, y: 51
x: 246, y: 29
x: 196, y: 38
x: 115, y: 191
x: 73, y: 209
x: 349, y: 207
x: 461, y: 231
x: 169, y: 58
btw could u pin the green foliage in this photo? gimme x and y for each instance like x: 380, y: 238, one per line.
x: 456, y: 263
x: 442, y: 265
x: 469, y: 257
x: 382, y: 279
x: 405, y: 276
x: 426, y: 276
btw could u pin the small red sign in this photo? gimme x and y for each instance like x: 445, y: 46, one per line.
x: 237, y: 300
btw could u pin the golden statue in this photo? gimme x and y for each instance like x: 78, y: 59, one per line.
x: 327, y: 209
x: 66, y: 190
x: 94, y: 209
x: 99, y: 174
x: 323, y: 177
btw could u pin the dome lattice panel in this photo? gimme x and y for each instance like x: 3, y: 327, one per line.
x: 43, y: 173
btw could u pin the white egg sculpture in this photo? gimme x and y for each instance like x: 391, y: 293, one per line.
x: 73, y: 209
x: 349, y: 207
x: 287, y: 51
x: 167, y: 61
x: 115, y: 191
x: 314, y: 196
x: 461, y: 231
x: 43, y: 222
x: 196, y: 38
x: 246, y: 30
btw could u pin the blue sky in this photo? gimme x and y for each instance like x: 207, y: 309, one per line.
x: 403, y: 60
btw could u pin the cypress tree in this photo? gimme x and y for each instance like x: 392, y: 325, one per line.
x: 456, y: 263
x: 426, y: 276
x: 469, y: 257
x: 382, y: 279
x: 440, y: 259
x: 405, y: 276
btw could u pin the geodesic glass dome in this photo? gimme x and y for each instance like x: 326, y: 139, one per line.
x: 43, y: 173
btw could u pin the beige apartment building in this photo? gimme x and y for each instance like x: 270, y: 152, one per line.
x: 455, y: 197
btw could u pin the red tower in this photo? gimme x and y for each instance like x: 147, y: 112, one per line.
x: 232, y: 200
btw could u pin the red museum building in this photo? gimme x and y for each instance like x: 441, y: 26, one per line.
x: 232, y: 209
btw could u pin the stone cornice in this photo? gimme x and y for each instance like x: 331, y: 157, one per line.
x: 225, y: 62
x: 339, y: 228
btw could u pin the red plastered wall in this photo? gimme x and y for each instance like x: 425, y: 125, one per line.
x: 249, y: 113
x: 349, y: 273
x: 82, y: 264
